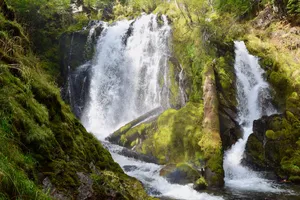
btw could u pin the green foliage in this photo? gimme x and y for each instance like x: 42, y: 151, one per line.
x: 14, y: 182
x: 144, y: 5
x: 96, y: 4
x: 240, y: 8
x: 81, y: 20
x: 293, y: 9
x: 39, y: 135
x: 174, y: 87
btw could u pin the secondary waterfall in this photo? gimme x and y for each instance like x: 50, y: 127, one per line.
x: 254, y: 101
x: 129, y: 77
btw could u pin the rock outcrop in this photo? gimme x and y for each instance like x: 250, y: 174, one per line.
x: 181, y: 173
x: 226, y: 90
x: 274, y: 146
x: 76, y: 51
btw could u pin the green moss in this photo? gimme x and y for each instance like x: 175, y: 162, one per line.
x: 188, y: 170
x: 130, y: 138
x: 174, y: 87
x: 255, y: 150
x: 108, y: 184
x: 125, y: 128
x: 40, y: 137
x: 201, y: 181
x: 271, y: 134
x: 172, y: 137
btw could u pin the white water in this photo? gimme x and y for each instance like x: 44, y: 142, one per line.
x: 130, y: 78
x: 253, y: 102
x: 126, y: 77
x: 148, y: 173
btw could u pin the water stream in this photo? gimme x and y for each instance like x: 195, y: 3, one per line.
x: 254, y: 101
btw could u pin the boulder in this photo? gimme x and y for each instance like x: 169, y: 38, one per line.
x: 274, y: 146
x: 181, y: 173
x: 200, y: 184
x: 129, y: 168
x: 261, y: 153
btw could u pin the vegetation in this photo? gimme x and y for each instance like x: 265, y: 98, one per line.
x: 40, y: 138
x: 203, y: 32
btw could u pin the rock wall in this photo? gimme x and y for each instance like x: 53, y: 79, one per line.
x: 226, y: 91
x: 77, y: 50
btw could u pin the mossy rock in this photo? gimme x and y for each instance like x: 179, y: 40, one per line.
x: 200, y: 184
x: 172, y: 137
x: 275, y: 145
x: 108, y: 185
x: 181, y: 173
x: 254, y: 152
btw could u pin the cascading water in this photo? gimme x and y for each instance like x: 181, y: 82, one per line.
x: 130, y: 78
x: 254, y: 101
x: 129, y: 74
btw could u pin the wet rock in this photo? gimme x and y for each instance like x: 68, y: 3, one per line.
x: 132, y: 154
x: 76, y: 50
x: 180, y: 174
x: 229, y: 128
x: 153, y: 192
x: 77, y: 89
x: 129, y: 168
x: 128, y: 33
x: 212, y: 178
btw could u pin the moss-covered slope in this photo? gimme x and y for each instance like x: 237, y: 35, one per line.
x: 44, y: 150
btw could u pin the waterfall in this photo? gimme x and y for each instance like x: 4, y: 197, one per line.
x: 128, y: 78
x: 129, y: 73
x: 254, y: 101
